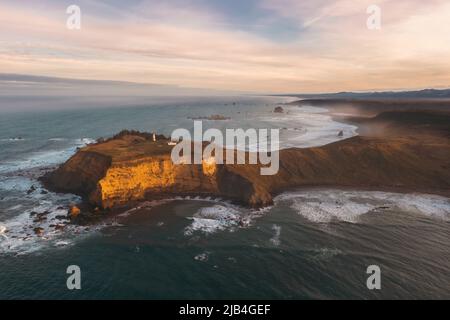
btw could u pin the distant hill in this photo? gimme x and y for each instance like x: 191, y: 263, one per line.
x: 420, y: 94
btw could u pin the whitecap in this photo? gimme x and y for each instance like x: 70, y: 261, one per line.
x: 324, y: 206
x: 22, y: 237
x: 43, y: 158
x: 212, y: 219
x: 12, y: 139
x: 204, y: 256
x: 326, y: 253
x: 307, y: 127
x: 14, y: 208
x: 62, y: 243
x: 221, y: 216
x: 145, y: 205
x: 20, y: 184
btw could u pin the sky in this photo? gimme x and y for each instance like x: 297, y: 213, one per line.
x: 261, y: 46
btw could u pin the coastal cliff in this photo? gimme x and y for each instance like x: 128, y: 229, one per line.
x: 132, y: 167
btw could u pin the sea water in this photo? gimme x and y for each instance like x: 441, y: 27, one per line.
x: 314, y: 243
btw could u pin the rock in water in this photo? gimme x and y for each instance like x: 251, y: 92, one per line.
x: 31, y: 190
x: 278, y: 110
x: 341, y: 133
x: 39, y: 231
x: 74, y: 212
x: 59, y: 227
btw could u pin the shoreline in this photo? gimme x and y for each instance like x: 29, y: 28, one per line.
x: 394, y: 151
x: 411, y: 136
x: 355, y: 170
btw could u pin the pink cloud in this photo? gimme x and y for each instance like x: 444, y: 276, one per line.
x: 336, y: 52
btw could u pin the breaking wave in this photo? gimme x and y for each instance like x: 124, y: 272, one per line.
x: 336, y: 205
x: 43, y: 158
x: 221, y: 216
x: 304, y: 127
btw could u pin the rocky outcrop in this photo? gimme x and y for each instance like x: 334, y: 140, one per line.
x: 129, y: 168
x: 38, y: 231
x: 278, y: 110
x: 74, y: 212
x: 132, y: 167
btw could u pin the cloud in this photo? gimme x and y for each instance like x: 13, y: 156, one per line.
x: 191, y: 45
x: 44, y: 85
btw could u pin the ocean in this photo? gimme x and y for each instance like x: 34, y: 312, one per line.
x: 312, y: 244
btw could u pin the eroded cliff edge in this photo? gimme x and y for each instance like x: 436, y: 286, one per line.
x: 412, y: 156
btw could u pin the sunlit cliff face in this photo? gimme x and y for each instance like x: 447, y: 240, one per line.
x: 258, y: 46
x: 132, y: 181
x: 209, y: 166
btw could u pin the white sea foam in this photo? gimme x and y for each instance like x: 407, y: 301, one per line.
x: 308, y: 127
x: 12, y: 139
x: 300, y: 127
x: 221, y: 216
x: 16, y: 183
x: 43, y: 158
x: 204, y: 256
x: 213, y: 219
x: 328, y: 205
x: 14, y: 208
x: 145, y: 205
x: 58, y: 139
x: 62, y: 243
x: 21, y: 237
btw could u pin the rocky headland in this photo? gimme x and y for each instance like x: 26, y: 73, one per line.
x: 401, y: 150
